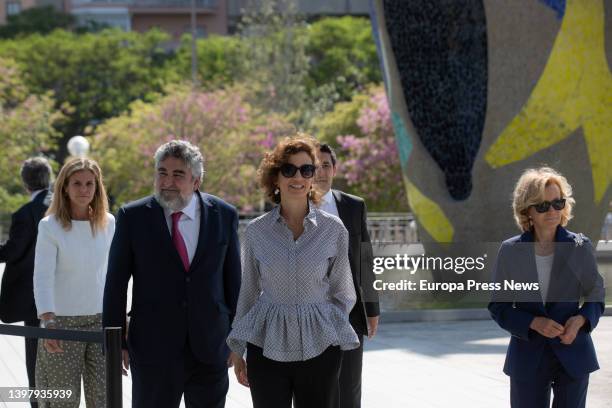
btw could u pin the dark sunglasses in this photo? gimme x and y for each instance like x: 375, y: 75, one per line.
x: 306, y: 170
x: 544, y: 206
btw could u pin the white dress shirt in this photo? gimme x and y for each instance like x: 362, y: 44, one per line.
x: 189, y: 225
x: 328, y: 204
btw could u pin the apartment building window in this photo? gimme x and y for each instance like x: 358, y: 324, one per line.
x: 200, y: 31
x: 12, y: 8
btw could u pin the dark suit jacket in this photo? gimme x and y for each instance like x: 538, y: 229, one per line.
x: 170, y: 305
x: 574, y: 275
x: 353, y: 213
x: 17, y: 293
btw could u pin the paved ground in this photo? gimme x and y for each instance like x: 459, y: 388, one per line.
x: 419, y: 365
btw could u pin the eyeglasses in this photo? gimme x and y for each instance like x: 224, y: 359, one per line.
x: 544, y: 206
x: 306, y: 170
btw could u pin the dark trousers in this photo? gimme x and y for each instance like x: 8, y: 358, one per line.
x: 309, y: 384
x: 161, y: 386
x: 31, y: 344
x: 350, y: 377
x: 568, y: 392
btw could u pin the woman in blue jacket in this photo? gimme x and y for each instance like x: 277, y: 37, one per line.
x: 551, y: 346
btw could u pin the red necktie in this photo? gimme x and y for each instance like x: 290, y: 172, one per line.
x: 179, y: 242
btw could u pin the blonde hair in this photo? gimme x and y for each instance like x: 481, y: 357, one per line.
x: 270, y: 165
x: 60, y: 204
x: 529, y: 190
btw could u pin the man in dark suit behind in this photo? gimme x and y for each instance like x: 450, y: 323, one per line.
x: 364, y: 316
x: 180, y: 247
x: 16, y: 294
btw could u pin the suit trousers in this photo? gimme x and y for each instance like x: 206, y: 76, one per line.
x: 350, y: 377
x: 31, y: 344
x: 568, y: 392
x: 310, y: 383
x: 162, y: 385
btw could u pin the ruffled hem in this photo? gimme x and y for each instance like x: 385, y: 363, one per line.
x: 293, y: 332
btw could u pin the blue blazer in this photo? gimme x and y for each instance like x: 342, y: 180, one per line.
x: 169, y: 305
x: 574, y: 275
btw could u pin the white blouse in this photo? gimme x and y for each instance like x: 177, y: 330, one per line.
x: 70, y: 267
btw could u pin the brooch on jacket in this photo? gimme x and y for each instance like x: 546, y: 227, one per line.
x: 579, y: 239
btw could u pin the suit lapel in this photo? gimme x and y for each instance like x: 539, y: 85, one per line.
x: 208, y: 221
x: 159, y: 227
x: 343, y: 211
x: 557, y: 278
x: 528, y: 257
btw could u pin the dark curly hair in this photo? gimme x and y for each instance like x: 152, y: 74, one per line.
x: 269, y: 168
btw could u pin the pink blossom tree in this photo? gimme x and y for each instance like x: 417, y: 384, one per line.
x: 231, y: 133
x: 369, y: 160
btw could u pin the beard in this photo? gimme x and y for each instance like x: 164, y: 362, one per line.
x: 171, y: 201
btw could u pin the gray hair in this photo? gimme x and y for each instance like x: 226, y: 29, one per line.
x: 188, y: 153
x: 36, y: 173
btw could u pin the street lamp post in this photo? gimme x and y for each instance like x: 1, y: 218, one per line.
x: 78, y: 146
x: 194, y: 54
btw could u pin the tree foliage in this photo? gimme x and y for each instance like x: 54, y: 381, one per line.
x: 231, y: 133
x: 40, y: 20
x: 99, y: 75
x: 342, y: 52
x: 368, y: 158
x: 26, y: 129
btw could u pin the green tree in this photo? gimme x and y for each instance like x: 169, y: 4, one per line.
x: 26, y: 129
x: 220, y: 60
x: 342, y: 52
x: 275, y: 65
x: 342, y: 119
x: 40, y: 20
x: 99, y: 75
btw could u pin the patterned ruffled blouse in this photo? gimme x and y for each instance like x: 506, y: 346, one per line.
x: 296, y: 295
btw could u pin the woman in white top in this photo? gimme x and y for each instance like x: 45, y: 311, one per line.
x: 69, y: 274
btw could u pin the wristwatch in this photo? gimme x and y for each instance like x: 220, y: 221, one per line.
x: 46, y: 323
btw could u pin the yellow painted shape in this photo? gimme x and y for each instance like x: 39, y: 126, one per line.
x: 574, y: 90
x: 429, y: 214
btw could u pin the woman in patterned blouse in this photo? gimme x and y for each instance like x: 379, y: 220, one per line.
x: 297, y: 289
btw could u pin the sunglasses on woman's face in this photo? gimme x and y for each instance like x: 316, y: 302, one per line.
x: 557, y: 204
x: 306, y: 170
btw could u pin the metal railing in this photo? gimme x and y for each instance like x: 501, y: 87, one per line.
x: 109, y: 337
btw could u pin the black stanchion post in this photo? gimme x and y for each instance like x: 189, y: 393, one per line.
x: 112, y: 351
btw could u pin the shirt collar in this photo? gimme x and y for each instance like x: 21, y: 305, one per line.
x: 189, y: 211
x: 310, y: 217
x: 34, y: 193
x: 328, y: 197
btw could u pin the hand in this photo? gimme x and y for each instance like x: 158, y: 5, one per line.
x: 546, y: 327
x: 125, y: 356
x: 52, y: 345
x: 240, y: 368
x: 47, y: 316
x: 372, y: 326
x: 572, y: 326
